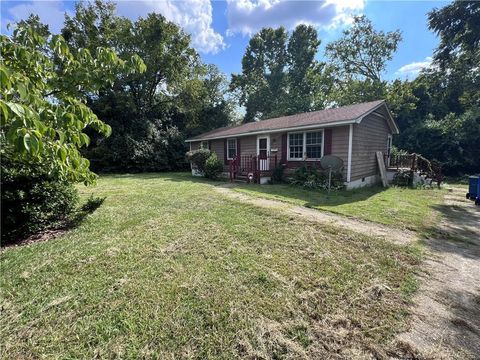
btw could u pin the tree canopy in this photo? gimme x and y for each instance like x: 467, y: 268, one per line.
x: 44, y: 88
x: 151, y: 113
x: 280, y: 75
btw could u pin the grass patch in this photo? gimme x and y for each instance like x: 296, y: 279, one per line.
x: 169, y: 268
x: 394, y: 206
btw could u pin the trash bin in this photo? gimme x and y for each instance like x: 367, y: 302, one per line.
x: 473, y: 188
x: 477, y: 199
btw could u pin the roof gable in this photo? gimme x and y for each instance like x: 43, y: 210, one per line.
x: 329, y: 117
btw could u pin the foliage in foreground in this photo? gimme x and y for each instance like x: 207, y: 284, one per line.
x: 43, y: 87
x: 44, y: 122
x: 33, y: 198
x: 170, y: 267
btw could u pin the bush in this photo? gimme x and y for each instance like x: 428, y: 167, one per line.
x: 198, y: 158
x: 213, y: 167
x: 33, y: 198
x: 312, y: 178
x: 403, y: 178
x: 278, y: 174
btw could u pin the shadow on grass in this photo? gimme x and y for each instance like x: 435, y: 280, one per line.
x: 464, y: 324
x: 89, y: 207
x: 61, y: 226
x: 459, y: 231
x: 314, y: 198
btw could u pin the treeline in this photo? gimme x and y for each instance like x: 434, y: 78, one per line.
x: 178, y: 96
x: 438, y: 113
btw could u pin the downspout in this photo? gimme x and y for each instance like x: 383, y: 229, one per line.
x: 349, y: 160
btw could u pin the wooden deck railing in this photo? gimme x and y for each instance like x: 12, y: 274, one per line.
x: 417, y: 163
x: 256, y: 165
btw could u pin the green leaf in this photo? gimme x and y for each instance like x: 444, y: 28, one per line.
x: 85, y: 139
x: 61, y: 136
x: 26, y: 142
x: 4, y: 112
x: 4, y: 78
x: 34, y: 145
x: 22, y: 90
x: 17, y: 109
x: 62, y: 153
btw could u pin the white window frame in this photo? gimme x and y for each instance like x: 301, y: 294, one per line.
x: 204, y: 144
x: 304, y: 150
x: 258, y: 143
x: 236, y: 147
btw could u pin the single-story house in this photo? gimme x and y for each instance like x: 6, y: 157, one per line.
x: 354, y: 133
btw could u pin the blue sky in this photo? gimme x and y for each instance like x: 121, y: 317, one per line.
x: 221, y: 29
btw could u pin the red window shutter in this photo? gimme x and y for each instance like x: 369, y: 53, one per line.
x: 327, y: 147
x: 225, y: 161
x: 284, y: 148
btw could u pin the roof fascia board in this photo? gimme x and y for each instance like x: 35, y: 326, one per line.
x: 295, y: 128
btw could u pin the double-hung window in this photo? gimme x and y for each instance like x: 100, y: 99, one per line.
x: 295, y: 146
x: 313, y: 145
x: 231, y: 148
x: 307, y: 145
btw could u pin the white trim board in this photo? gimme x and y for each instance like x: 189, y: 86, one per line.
x: 305, y: 145
x: 349, y: 158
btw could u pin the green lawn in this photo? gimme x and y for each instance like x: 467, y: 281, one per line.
x: 394, y: 206
x: 169, y: 268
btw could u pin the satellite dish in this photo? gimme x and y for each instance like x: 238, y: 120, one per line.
x: 331, y: 163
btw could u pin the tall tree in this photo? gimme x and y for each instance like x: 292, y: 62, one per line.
x: 308, y: 81
x: 456, y: 72
x: 261, y: 86
x: 280, y: 75
x: 359, y: 59
x: 444, y: 123
x: 150, y: 113
x: 363, y: 52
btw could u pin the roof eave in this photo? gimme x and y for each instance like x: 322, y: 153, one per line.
x: 269, y: 131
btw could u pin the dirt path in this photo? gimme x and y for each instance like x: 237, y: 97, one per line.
x: 445, y: 323
x: 365, y: 227
x: 446, y: 318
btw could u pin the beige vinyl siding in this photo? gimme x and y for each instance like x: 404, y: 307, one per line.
x: 368, y: 137
x: 276, y: 143
x: 218, y: 147
x: 248, y: 145
x: 340, y: 145
x: 195, y: 145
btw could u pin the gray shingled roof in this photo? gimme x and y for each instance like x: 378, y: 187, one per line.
x: 322, y: 117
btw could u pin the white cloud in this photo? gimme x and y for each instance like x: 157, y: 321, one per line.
x: 51, y: 13
x: 249, y: 16
x: 194, y: 16
x: 414, y: 68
